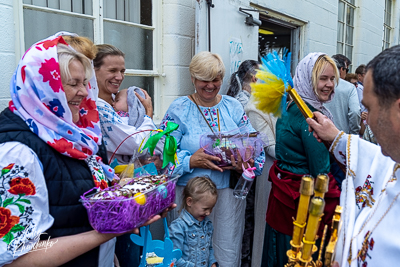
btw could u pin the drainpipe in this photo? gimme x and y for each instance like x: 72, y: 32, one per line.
x: 209, y: 4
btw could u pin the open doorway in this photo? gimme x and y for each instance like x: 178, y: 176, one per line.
x: 278, y: 34
x: 273, y: 37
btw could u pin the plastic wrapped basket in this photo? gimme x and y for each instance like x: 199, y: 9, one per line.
x: 121, y: 214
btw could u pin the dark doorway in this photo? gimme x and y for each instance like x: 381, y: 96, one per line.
x: 273, y: 37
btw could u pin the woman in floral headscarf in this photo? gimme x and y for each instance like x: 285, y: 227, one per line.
x: 297, y: 154
x: 49, y: 137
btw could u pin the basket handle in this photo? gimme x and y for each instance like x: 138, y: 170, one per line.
x: 115, y: 151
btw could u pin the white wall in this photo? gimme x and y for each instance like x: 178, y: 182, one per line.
x: 319, y: 34
x: 179, y: 34
x: 178, y: 49
x: 226, y: 23
x: 369, y: 37
x: 7, y: 53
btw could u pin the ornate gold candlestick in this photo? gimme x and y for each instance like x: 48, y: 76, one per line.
x: 330, y: 248
x: 317, y: 206
x: 306, y: 191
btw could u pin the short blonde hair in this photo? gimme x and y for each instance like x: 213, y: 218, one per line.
x: 206, y: 66
x: 196, y: 187
x: 65, y: 56
x: 319, y: 67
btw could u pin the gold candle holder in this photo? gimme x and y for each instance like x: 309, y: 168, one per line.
x: 305, y: 110
x: 317, y: 206
x: 321, y: 185
x: 330, y: 248
x: 306, y: 191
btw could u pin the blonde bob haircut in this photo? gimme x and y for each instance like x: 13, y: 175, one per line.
x: 196, y: 187
x: 65, y: 56
x: 320, y: 65
x: 206, y: 66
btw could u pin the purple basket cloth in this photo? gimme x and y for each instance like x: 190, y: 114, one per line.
x: 122, y: 214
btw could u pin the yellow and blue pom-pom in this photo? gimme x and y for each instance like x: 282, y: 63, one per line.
x: 274, y: 81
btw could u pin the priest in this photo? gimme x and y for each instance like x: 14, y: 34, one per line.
x: 369, y: 235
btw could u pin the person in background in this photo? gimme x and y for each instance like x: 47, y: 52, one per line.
x: 81, y: 44
x: 240, y: 89
x: 299, y: 153
x: 192, y: 231
x: 129, y: 107
x: 207, y: 112
x: 265, y: 124
x: 109, y: 66
x: 345, y: 106
x: 352, y: 78
x: 360, y: 72
x: 239, y: 86
x: 365, y: 131
x: 48, y: 158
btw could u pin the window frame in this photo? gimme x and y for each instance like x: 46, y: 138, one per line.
x: 387, y: 29
x: 345, y: 42
x: 98, y: 38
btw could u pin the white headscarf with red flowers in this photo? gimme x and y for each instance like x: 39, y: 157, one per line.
x: 39, y: 99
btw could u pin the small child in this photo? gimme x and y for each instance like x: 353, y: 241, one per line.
x: 132, y: 105
x: 128, y: 104
x: 192, y: 231
x: 120, y: 104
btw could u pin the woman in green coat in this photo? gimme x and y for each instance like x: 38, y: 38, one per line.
x: 299, y: 153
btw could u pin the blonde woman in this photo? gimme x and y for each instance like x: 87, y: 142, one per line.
x: 299, y: 153
x: 207, y: 111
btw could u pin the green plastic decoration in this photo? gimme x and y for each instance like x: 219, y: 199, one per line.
x: 170, y: 144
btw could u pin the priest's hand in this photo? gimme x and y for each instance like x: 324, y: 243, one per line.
x: 322, y: 128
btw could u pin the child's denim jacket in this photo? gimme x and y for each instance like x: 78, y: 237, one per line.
x: 194, y: 238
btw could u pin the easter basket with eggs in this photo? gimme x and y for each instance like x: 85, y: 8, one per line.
x: 145, y: 188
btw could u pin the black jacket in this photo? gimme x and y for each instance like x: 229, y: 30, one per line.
x: 66, y: 180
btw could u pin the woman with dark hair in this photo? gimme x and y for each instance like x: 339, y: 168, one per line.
x: 239, y: 86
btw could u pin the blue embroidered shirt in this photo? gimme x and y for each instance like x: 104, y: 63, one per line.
x: 192, y: 126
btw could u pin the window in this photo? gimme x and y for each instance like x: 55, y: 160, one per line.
x: 387, y: 24
x: 131, y: 25
x: 345, y: 28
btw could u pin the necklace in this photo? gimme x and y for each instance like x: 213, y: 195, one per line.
x: 201, y: 103
x: 365, y: 242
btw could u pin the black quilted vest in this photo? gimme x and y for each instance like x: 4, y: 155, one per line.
x: 66, y: 180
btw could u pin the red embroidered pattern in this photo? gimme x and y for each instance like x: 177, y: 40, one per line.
x: 368, y: 244
x: 12, y: 192
x: 364, y: 194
